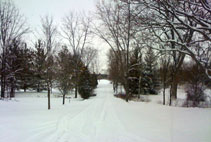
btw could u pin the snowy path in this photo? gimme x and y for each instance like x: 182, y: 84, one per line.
x: 103, y: 118
x: 97, y: 122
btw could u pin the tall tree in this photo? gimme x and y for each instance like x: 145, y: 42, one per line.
x: 115, y: 68
x: 136, y: 68
x: 77, y: 32
x: 64, y: 72
x: 25, y: 77
x: 149, y: 77
x: 13, y: 67
x: 49, y: 33
x: 39, y: 64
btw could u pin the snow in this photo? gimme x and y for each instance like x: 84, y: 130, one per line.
x: 103, y: 118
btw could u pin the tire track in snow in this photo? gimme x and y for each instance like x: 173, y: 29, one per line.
x: 88, y: 120
x: 64, y: 125
x: 47, y: 130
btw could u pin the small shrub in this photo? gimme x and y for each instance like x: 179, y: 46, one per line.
x: 85, y: 91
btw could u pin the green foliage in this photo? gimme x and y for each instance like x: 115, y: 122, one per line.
x: 85, y: 83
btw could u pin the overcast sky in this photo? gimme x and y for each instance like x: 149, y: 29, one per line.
x: 33, y: 10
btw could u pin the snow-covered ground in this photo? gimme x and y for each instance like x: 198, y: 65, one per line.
x: 103, y: 118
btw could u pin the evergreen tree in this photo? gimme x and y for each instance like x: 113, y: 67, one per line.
x: 64, y: 72
x: 85, y: 83
x: 39, y: 63
x: 149, y: 75
x: 12, y: 66
x: 26, y: 75
x: 135, y: 71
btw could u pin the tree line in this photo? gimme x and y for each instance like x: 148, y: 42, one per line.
x: 150, y: 42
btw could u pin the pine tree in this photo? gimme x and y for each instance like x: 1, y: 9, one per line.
x: 64, y: 72
x: 149, y: 75
x: 135, y: 71
x: 12, y: 67
x: 38, y: 65
x: 26, y: 76
x: 85, y: 83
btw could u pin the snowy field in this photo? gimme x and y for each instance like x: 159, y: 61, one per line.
x: 103, y: 118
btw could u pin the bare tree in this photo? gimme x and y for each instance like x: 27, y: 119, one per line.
x: 119, y: 31
x: 193, y: 17
x: 95, y: 64
x: 12, y: 27
x: 178, y: 26
x: 89, y: 55
x: 115, y: 66
x: 77, y: 32
x: 49, y: 32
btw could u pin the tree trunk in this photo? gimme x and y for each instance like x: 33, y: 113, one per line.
x: 173, y: 90
x: 12, y: 91
x: 164, y: 94
x: 49, y: 103
x: 139, y: 87
x: 164, y: 86
x: 3, y: 75
x: 76, y: 91
x: 2, y: 86
x: 63, y: 99
x: 76, y: 84
x: 174, y: 81
x: 38, y: 87
x: 127, y: 56
x: 127, y: 91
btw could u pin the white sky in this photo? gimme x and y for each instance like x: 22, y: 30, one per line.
x: 33, y: 10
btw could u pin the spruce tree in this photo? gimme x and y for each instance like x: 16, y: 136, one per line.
x: 149, y: 74
x: 135, y: 71
x: 85, y: 83
x: 25, y: 77
x: 39, y: 63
